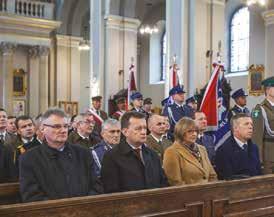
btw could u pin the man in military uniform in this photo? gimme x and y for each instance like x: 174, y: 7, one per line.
x: 148, y: 105
x: 111, y: 133
x: 191, y: 102
x: 239, y: 97
x: 263, y: 119
x: 177, y: 109
x: 121, y: 108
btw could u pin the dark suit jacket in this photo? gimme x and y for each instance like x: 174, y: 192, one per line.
x: 123, y: 171
x: 232, y: 161
x: 158, y: 148
x: 47, y: 173
x: 7, y: 168
x: 207, y: 141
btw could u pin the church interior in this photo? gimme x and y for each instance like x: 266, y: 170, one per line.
x: 70, y: 54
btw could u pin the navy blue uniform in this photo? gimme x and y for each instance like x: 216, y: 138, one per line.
x: 174, y: 113
x: 232, y: 161
x: 98, y: 152
x: 236, y: 110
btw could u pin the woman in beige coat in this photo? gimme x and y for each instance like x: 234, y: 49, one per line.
x: 186, y: 162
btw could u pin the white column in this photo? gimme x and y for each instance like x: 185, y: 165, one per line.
x: 120, y: 48
x: 269, y: 42
x: 175, y: 30
x: 6, y: 76
x: 43, y: 78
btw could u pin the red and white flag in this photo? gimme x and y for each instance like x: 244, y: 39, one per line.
x: 131, y: 83
x: 174, y: 78
x: 97, y: 117
x: 210, y: 103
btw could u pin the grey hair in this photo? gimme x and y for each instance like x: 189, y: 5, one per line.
x: 80, y: 117
x: 110, y: 122
x: 235, y: 118
x: 53, y: 111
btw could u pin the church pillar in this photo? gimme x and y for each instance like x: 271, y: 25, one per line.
x: 43, y: 79
x: 176, y: 35
x: 269, y: 42
x: 6, y: 76
x: 33, y: 69
x: 120, y: 51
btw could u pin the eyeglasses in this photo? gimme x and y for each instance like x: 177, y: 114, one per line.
x: 87, y: 122
x: 192, y: 131
x: 57, y: 126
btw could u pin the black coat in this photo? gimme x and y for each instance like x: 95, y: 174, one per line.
x: 47, y: 173
x: 123, y: 171
x: 7, y: 168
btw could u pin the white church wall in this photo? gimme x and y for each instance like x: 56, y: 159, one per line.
x: 84, y: 100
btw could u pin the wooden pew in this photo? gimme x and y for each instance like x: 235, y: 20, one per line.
x: 252, y: 197
x: 9, y: 193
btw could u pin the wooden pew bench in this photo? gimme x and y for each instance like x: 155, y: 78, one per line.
x: 9, y: 193
x: 252, y: 197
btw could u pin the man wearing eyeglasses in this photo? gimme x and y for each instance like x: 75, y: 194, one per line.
x: 131, y: 165
x: 56, y: 169
x: 111, y: 132
x: 83, y: 134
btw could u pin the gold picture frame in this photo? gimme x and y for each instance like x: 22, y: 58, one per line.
x: 71, y: 108
x: 19, y: 82
x: 255, y: 77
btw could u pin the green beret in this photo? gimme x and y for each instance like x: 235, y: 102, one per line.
x: 268, y: 82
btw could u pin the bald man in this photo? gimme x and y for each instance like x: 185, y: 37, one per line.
x: 157, y: 140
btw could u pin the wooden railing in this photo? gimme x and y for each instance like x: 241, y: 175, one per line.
x: 29, y: 8
x: 252, y: 197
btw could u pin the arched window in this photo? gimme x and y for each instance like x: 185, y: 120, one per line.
x: 239, y: 40
x: 163, y: 57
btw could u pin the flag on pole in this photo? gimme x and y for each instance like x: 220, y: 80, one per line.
x: 97, y: 118
x: 209, y: 103
x: 174, y: 79
x: 131, y: 83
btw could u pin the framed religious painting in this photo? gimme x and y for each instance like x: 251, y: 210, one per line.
x: 71, y: 108
x: 255, y: 77
x: 18, y: 107
x: 19, y: 82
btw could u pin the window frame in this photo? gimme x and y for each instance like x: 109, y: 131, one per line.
x: 230, y: 37
x: 162, y: 77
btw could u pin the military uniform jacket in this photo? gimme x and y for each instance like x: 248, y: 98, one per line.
x: 122, y: 170
x: 75, y: 138
x: 98, y: 152
x: 232, y: 161
x: 261, y: 137
x: 174, y: 113
x: 46, y: 173
x: 236, y: 110
x: 158, y: 147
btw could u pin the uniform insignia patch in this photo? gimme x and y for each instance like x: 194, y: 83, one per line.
x: 255, y: 113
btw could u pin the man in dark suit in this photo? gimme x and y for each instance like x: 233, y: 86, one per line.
x: 239, y: 97
x: 157, y: 140
x: 83, y: 133
x: 131, y: 165
x: 204, y: 138
x: 56, y: 169
x: 7, y: 169
x: 238, y: 157
x: 111, y: 132
x: 177, y: 109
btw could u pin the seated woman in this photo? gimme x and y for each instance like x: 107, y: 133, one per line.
x: 186, y: 162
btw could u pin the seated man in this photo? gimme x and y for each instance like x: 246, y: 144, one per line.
x: 203, y: 138
x: 55, y: 169
x: 156, y: 140
x: 82, y: 134
x: 238, y: 156
x: 111, y: 132
x: 130, y: 165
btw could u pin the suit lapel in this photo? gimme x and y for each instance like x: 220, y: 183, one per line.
x: 189, y: 157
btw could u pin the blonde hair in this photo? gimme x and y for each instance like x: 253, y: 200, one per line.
x: 181, y: 128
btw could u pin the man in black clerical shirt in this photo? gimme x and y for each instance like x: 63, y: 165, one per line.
x: 55, y: 169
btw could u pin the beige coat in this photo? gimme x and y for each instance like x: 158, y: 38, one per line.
x: 181, y: 167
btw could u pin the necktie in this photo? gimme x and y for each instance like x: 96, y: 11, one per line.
x: 245, y: 147
x: 2, y: 139
x: 138, y: 153
x: 97, y: 112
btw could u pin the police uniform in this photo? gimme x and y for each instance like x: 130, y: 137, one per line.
x: 263, y: 136
x: 238, y: 109
x: 175, y: 112
x: 138, y: 95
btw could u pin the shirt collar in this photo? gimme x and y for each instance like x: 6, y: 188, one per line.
x: 4, y: 134
x: 157, y: 140
x: 134, y: 148
x: 26, y: 141
x: 82, y: 136
x: 271, y: 103
x: 240, y: 143
x: 180, y: 105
